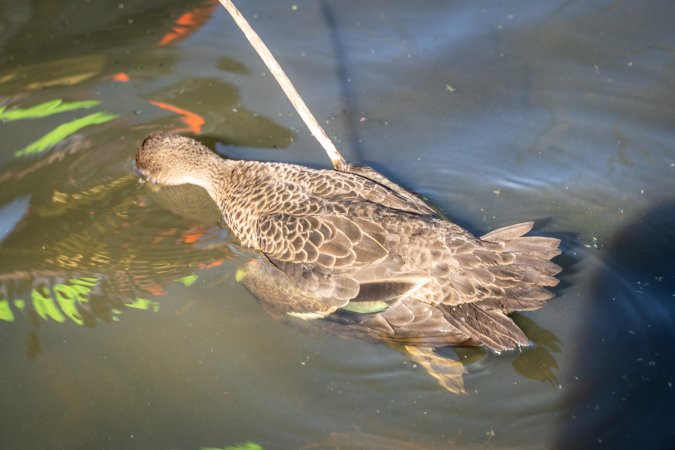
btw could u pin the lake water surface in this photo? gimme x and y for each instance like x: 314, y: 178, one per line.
x: 121, y: 322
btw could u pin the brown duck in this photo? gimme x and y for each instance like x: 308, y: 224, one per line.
x: 351, y: 243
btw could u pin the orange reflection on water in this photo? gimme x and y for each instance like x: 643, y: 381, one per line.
x: 192, y: 120
x: 188, y: 23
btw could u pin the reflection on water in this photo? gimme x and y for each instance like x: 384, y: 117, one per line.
x: 230, y: 123
x: 97, y: 262
x: 538, y: 362
x: 121, y: 323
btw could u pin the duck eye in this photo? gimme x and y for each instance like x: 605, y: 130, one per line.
x: 145, y: 141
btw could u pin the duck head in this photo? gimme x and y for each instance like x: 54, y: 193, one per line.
x: 170, y: 159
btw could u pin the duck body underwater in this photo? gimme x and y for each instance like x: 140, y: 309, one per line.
x: 354, y: 247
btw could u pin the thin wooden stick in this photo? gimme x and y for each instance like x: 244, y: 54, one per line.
x: 317, y: 131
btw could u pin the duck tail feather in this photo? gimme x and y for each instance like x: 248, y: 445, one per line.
x: 491, y: 328
x: 524, y: 271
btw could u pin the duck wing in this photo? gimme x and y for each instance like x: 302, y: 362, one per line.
x: 406, y: 200
x: 342, y: 261
x: 355, y: 183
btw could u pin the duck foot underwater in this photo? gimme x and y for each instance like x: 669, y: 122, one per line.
x: 353, y: 248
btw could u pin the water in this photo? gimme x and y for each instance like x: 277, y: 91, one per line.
x: 121, y: 323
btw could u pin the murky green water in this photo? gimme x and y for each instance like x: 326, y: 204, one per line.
x: 121, y: 323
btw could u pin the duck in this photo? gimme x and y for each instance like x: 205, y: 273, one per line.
x: 350, y: 246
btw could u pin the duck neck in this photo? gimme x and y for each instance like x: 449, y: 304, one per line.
x: 234, y: 189
x: 213, y: 174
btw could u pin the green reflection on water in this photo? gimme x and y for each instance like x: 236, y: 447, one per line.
x: 65, y: 301
x: 44, y: 109
x: 63, y: 131
x: 6, y: 313
x: 245, y: 446
x: 187, y: 280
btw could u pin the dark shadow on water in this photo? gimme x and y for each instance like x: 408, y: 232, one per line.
x: 351, y: 107
x: 619, y: 392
